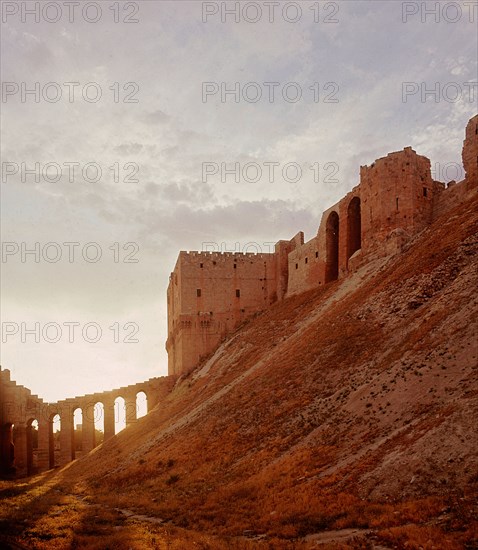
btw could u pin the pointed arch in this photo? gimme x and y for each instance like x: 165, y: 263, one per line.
x: 54, y: 429
x: 77, y: 431
x: 99, y: 412
x: 332, y: 247
x: 354, y: 227
x: 141, y: 404
x: 120, y: 414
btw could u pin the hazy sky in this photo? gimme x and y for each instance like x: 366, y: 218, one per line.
x: 148, y: 103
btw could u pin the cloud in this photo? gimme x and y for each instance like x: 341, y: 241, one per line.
x: 156, y: 117
x: 172, y: 131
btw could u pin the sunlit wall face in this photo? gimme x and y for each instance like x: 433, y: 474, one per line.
x: 243, y: 133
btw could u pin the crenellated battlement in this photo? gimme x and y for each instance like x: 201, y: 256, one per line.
x: 227, y: 254
x: 224, y: 257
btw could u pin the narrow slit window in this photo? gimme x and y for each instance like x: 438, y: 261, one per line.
x: 198, y: 292
x: 238, y: 293
x: 425, y: 191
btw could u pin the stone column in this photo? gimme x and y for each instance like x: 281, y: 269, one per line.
x: 109, y: 417
x: 44, y: 429
x: 20, y: 442
x: 130, y: 406
x: 29, y: 429
x: 67, y: 453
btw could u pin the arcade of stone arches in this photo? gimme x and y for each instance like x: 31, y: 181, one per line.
x: 36, y: 436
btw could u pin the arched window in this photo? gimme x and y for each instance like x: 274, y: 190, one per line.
x: 54, y: 440
x: 77, y: 430
x: 354, y: 227
x: 141, y: 404
x: 120, y: 414
x: 332, y: 247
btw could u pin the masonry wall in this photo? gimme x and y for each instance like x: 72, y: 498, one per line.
x: 18, y: 409
x: 209, y: 295
x: 396, y: 191
x: 283, y: 250
x: 305, y: 267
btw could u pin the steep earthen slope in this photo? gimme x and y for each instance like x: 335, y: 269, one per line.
x: 354, y: 405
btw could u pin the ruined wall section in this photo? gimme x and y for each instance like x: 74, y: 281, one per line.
x: 18, y: 402
x: 155, y: 389
x: 19, y: 408
x: 452, y: 195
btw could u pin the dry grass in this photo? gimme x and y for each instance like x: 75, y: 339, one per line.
x: 318, y: 416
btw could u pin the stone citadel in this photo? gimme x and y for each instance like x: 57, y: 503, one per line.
x: 211, y: 294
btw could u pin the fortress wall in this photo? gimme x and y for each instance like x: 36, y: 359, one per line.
x: 210, y: 294
x: 304, y: 267
x: 395, y: 199
x: 18, y: 403
x: 18, y: 409
x: 335, y: 242
x: 282, y: 251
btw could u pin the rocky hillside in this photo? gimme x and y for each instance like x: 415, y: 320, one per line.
x: 348, y: 412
